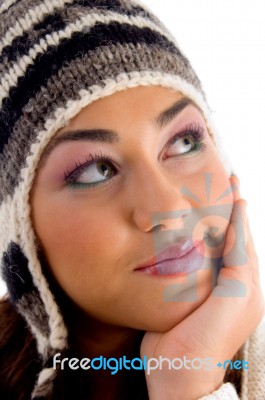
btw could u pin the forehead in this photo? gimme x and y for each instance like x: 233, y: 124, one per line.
x: 128, y: 111
x: 127, y: 105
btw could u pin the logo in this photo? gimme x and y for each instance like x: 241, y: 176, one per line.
x: 208, y: 220
x: 147, y: 364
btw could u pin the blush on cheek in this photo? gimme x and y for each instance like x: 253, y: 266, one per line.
x: 77, y: 237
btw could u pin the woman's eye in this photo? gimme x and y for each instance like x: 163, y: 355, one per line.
x: 90, y: 175
x: 95, y: 173
x: 182, y: 145
x: 186, y: 142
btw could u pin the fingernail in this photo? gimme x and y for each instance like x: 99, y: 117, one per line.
x: 236, y: 179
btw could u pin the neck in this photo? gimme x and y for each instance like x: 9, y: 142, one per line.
x: 95, y: 338
x: 91, y: 338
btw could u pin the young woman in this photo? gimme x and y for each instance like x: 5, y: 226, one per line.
x: 125, y: 245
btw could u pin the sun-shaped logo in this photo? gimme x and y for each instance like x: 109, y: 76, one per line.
x: 210, y: 218
x: 207, y: 220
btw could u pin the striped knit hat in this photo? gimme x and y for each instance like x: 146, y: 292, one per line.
x: 56, y: 57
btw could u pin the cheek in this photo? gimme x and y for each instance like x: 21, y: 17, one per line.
x: 211, y: 184
x: 217, y: 185
x: 77, y: 241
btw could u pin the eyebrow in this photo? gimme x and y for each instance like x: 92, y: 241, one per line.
x: 167, y: 116
x: 93, y: 135
x: 109, y: 136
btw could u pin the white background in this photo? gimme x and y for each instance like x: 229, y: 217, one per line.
x: 225, y: 41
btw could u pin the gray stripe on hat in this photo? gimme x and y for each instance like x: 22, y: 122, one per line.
x: 31, y: 306
x: 84, y: 72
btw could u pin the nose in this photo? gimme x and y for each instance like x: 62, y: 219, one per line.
x: 157, y: 200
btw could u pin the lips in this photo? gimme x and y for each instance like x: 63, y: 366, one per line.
x: 182, y: 258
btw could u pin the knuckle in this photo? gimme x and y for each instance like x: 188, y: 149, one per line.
x: 241, y: 202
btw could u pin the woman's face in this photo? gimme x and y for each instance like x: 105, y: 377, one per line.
x: 132, y: 176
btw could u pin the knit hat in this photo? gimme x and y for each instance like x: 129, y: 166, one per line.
x: 56, y: 57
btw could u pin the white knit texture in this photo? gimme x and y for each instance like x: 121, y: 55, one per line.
x: 5, y: 5
x: 253, y: 382
x: 253, y: 378
x: 226, y: 392
x: 45, y: 374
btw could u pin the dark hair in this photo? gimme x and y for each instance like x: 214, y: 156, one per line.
x: 19, y: 359
x: 20, y: 364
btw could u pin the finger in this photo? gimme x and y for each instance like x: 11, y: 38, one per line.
x: 250, y: 247
x: 238, y: 233
x: 236, y: 237
x: 233, y: 279
x: 252, y: 259
x: 235, y: 185
x: 251, y: 252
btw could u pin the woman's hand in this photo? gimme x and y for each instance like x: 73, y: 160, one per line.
x: 217, y: 329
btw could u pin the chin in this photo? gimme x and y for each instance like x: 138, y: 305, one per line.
x: 174, y: 312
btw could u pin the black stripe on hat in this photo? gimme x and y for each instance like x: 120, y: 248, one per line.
x: 15, y: 272
x: 109, y: 5
x: 115, y: 6
x: 49, y: 63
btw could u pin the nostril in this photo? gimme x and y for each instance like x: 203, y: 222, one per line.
x: 172, y: 224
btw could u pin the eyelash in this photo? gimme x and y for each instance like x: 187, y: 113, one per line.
x: 195, y: 131
x: 71, y: 176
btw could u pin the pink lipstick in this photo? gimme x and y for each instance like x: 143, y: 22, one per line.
x: 179, y: 259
